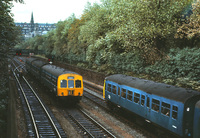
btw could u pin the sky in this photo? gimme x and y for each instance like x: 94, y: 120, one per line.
x: 48, y: 11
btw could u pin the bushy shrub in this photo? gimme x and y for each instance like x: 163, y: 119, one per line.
x: 4, y: 88
x: 182, y: 63
x: 127, y: 62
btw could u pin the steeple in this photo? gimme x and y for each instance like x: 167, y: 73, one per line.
x: 32, y: 23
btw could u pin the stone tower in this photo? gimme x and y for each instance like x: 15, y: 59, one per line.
x: 32, y: 24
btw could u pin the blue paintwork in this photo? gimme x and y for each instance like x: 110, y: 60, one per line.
x: 147, y: 113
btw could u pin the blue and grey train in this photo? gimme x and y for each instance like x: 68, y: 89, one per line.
x: 64, y: 84
x: 173, y: 108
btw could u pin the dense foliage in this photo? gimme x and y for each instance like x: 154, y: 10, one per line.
x: 3, y: 95
x: 191, y: 29
x: 9, y: 36
x: 123, y: 36
x: 9, y: 33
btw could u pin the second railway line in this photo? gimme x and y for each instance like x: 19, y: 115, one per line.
x: 99, y: 133
x: 117, y: 125
x: 40, y: 120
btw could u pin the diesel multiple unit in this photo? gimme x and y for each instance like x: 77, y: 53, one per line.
x: 65, y: 84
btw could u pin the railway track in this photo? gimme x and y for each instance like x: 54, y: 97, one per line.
x: 40, y: 120
x: 79, y: 118
x: 86, y: 125
x: 95, y: 94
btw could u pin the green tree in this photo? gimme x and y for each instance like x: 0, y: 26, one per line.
x: 74, y: 33
x: 145, y: 24
x: 96, y: 24
x: 61, y: 35
x: 49, y: 40
x: 190, y: 29
x: 9, y: 33
x: 122, y: 26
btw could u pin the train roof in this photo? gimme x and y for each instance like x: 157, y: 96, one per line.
x: 39, y: 63
x: 151, y: 87
x: 56, y: 71
x: 31, y: 59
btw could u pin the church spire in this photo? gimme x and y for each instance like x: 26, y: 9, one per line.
x: 32, y: 23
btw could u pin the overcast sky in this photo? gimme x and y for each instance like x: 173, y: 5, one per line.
x: 48, y: 11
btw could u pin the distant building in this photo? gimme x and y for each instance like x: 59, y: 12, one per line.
x: 32, y: 29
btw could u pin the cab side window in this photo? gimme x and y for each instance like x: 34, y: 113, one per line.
x: 63, y: 83
x: 78, y: 83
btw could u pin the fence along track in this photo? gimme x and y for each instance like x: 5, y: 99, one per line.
x: 41, y: 121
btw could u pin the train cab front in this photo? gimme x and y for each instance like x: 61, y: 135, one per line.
x: 70, y: 87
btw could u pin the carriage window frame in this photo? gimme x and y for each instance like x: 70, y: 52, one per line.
x: 142, y: 100
x: 118, y: 91
x: 165, y: 109
x: 148, y: 102
x: 175, y: 112
x: 136, y: 98
x: 109, y: 87
x: 130, y: 95
x: 155, y: 105
x: 114, y: 89
x: 123, y: 93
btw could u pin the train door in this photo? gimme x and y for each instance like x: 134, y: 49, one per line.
x: 147, y: 107
x: 118, y: 94
x: 114, y: 94
x: 189, y: 117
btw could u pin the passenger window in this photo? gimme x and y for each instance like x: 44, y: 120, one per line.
x: 78, y: 83
x: 148, y: 101
x: 63, y: 84
x: 114, y: 90
x: 130, y: 95
x: 136, y: 98
x: 118, y: 91
x: 109, y: 88
x: 155, y: 105
x: 142, y: 100
x: 165, y: 109
x: 70, y: 83
x: 175, y: 112
x: 123, y: 94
